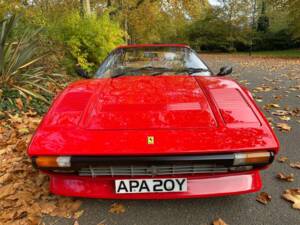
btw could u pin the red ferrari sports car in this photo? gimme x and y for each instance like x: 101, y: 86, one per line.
x: 154, y: 123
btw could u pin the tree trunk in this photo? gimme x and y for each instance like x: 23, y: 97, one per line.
x: 86, y: 7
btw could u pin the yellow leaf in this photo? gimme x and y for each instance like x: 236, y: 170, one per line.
x: 289, y: 178
x: 285, y: 118
x: 219, y: 222
x: 78, y: 214
x: 117, y: 208
x: 23, y: 130
x: 283, y: 127
x: 282, y: 159
x: 19, y: 104
x: 292, y: 195
x: 295, y: 165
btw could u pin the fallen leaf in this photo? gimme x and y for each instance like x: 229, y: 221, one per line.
x: 102, y: 222
x: 219, y: 222
x: 117, y: 208
x: 6, y: 190
x: 283, y: 127
x: 292, y: 195
x: 19, y: 104
x: 15, y: 118
x: 280, y: 113
x: 295, y: 165
x: 278, y: 97
x: 263, y: 198
x: 78, y: 214
x: 289, y: 178
x: 282, y: 159
x: 47, y: 207
x: 271, y: 105
x: 4, y: 178
x: 262, y: 89
x: 23, y: 130
x: 285, y: 118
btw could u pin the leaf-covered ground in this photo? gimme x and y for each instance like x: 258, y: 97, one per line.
x: 24, y: 194
x: 275, y: 83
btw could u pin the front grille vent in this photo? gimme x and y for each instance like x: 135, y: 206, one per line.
x: 154, y: 170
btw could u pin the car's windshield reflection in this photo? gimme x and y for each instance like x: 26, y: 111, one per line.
x: 152, y: 61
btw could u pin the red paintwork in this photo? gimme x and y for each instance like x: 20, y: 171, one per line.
x: 115, y: 116
x: 185, y: 114
x: 198, y: 186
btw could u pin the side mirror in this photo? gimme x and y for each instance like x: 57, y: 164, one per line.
x: 81, y: 72
x: 225, y: 71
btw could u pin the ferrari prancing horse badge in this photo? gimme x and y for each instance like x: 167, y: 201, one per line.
x: 150, y: 140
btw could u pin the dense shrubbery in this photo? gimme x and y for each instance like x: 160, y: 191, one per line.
x: 229, y: 28
x: 279, y: 40
x: 213, y: 34
x: 87, y: 40
x: 39, y: 48
x: 22, y: 76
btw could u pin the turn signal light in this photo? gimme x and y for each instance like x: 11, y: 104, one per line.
x: 53, y: 161
x: 252, y: 158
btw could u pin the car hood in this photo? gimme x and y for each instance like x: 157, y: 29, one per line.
x: 144, y: 102
x: 181, y: 114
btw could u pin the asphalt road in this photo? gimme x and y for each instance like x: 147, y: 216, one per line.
x: 278, y: 74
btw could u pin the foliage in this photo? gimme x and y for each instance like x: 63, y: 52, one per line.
x: 13, y: 102
x: 87, y: 39
x: 212, y: 33
x: 279, y: 40
x: 294, y: 13
x: 263, y: 20
x: 150, y: 21
x: 17, y: 55
x: 209, y: 33
x: 228, y: 28
x: 289, y: 54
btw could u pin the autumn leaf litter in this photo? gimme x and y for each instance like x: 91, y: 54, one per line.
x: 24, y: 193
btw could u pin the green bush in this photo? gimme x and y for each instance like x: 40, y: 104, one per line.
x: 280, y: 40
x: 212, y: 33
x: 9, y: 98
x: 18, y: 57
x: 88, y: 39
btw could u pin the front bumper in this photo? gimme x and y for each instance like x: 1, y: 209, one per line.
x: 199, y: 186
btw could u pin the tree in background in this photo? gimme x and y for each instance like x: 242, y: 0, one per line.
x: 294, y: 12
x: 151, y: 21
x: 263, y: 20
x: 210, y: 33
x: 232, y: 25
x: 225, y: 27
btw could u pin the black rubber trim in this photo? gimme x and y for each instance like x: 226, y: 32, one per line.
x: 226, y: 159
x: 86, y: 161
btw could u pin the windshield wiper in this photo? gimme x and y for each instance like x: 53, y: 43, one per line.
x: 192, y: 70
x: 160, y: 70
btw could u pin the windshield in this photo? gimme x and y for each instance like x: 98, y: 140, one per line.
x: 152, y: 61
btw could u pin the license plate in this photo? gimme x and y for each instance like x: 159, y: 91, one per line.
x: 151, y: 185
